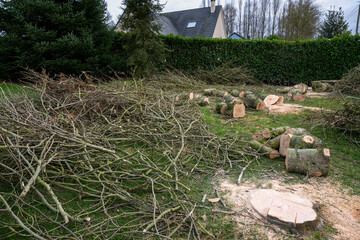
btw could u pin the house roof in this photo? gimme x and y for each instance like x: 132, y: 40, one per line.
x: 176, y: 22
x: 234, y: 34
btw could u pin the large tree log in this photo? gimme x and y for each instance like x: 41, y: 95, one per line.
x: 264, y: 149
x: 235, y: 110
x: 280, y: 100
x: 284, y: 144
x: 230, y: 99
x: 302, y: 87
x: 274, y: 143
x: 252, y: 101
x: 312, y: 162
x: 296, y: 95
x: 319, y: 86
x: 235, y: 93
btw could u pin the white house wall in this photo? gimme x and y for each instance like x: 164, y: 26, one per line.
x: 219, y: 31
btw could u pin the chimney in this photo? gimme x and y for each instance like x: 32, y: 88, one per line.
x: 212, y: 9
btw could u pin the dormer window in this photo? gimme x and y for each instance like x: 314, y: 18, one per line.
x: 191, y: 24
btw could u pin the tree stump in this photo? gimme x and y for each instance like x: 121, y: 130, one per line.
x: 270, y: 100
x: 283, y: 208
x: 311, y: 162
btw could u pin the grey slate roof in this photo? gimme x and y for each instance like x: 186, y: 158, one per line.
x: 176, y: 22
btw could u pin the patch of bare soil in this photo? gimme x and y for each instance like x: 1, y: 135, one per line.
x: 290, y: 108
x: 335, y: 207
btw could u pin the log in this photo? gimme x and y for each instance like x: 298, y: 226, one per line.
x: 264, y: 149
x: 235, y: 93
x: 297, y: 131
x: 284, y: 90
x: 274, y: 143
x: 221, y: 108
x: 251, y: 101
x: 235, y: 110
x: 270, y: 100
x: 230, y: 99
x: 258, y: 137
x: 302, y: 87
x: 311, y: 162
x: 305, y: 141
x: 296, y: 95
x: 203, y: 101
x: 242, y: 94
x: 284, y: 144
x: 319, y: 86
x: 279, y: 130
x: 262, y: 96
x: 280, y: 100
x: 246, y: 93
x: 212, y: 92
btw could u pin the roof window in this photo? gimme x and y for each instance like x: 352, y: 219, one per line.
x: 191, y: 24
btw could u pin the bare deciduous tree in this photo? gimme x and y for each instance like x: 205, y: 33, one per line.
x: 275, y: 8
x: 264, y: 5
x: 230, y: 13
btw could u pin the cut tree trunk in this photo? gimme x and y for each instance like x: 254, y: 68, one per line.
x: 319, y: 86
x: 235, y: 110
x: 242, y: 94
x: 302, y: 87
x: 296, y: 95
x: 297, y: 131
x: 274, y: 142
x: 203, y: 101
x: 235, y: 93
x: 264, y: 149
x: 280, y: 130
x: 284, y: 208
x: 251, y: 101
x: 305, y: 141
x: 230, y: 99
x: 266, y: 133
x: 312, y: 162
x: 284, y: 144
x: 193, y: 96
x: 270, y: 100
x: 221, y: 108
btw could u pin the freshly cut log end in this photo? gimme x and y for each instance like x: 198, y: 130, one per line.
x: 271, y: 100
x: 257, y: 136
x: 280, y: 100
x: 312, y: 162
x: 238, y: 110
x: 204, y: 101
x: 274, y: 154
x: 266, y: 133
x: 284, y: 144
x: 242, y: 94
x: 260, y: 106
x: 305, y: 141
x: 177, y: 98
x: 298, y: 98
x: 191, y: 96
x: 308, y: 139
x: 221, y: 108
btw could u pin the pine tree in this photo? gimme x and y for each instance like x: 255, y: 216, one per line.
x: 59, y: 35
x: 333, y: 25
x: 144, y: 47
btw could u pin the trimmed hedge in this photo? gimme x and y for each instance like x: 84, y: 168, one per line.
x: 272, y: 61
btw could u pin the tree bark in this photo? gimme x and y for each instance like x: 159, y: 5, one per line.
x: 312, y: 162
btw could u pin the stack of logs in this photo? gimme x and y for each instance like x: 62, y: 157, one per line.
x: 323, y: 85
x: 304, y: 153
x: 296, y: 93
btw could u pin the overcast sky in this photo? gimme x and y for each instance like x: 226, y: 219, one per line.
x: 350, y: 7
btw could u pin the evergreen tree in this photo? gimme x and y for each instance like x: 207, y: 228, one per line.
x: 333, y: 25
x: 67, y: 36
x: 144, y: 47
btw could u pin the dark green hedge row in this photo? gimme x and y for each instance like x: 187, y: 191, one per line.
x: 272, y: 61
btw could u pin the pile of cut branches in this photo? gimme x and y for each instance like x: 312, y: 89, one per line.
x: 83, y: 161
x: 227, y: 73
x: 350, y: 82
